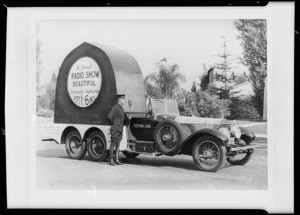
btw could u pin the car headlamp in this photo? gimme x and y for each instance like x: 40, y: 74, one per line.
x: 236, y: 131
x: 225, y: 131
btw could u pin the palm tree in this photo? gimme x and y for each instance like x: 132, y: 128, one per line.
x: 164, y: 83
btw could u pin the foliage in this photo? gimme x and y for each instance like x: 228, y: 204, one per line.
x: 46, y: 100
x: 194, y: 87
x: 242, y: 109
x: 180, y: 95
x: 39, y: 67
x: 205, y: 104
x: 225, y: 70
x: 239, y: 79
x: 165, y: 83
x: 45, y: 113
x: 253, y: 36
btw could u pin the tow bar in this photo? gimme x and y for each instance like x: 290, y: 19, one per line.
x: 50, y: 139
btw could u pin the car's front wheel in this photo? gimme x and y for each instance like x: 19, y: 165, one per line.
x: 209, y: 154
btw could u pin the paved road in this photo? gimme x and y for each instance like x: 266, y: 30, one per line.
x: 55, y: 170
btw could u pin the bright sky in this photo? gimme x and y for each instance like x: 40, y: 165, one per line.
x: 189, y: 43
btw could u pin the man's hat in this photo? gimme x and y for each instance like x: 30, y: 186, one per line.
x: 120, y: 96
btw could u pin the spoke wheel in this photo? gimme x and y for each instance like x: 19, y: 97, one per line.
x: 242, y: 157
x: 209, y: 154
x: 168, y: 137
x: 75, y: 147
x: 97, y: 146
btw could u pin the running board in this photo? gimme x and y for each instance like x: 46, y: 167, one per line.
x: 141, y: 141
x: 146, y: 153
x: 245, y: 147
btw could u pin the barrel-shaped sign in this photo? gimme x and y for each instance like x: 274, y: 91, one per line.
x: 84, y: 82
x: 88, y: 80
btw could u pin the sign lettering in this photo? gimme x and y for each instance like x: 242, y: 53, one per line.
x: 84, y: 82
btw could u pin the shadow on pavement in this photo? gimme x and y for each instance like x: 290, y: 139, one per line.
x: 164, y: 161
x: 187, y: 164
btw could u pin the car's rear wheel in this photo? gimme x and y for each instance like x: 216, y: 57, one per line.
x: 96, y: 146
x: 243, y: 157
x: 209, y: 154
x: 75, y: 147
x: 130, y: 154
x: 168, y: 136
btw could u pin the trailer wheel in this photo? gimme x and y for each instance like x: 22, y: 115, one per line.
x: 75, y: 147
x: 96, y: 146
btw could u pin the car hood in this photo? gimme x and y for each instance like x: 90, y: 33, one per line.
x: 200, y: 120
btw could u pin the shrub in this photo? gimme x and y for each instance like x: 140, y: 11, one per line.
x: 205, y: 104
x: 210, y: 105
x: 243, y: 109
x: 45, y: 113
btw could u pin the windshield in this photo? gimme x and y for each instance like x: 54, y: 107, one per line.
x: 164, y: 106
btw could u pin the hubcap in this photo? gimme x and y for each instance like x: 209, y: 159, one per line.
x: 97, y: 145
x: 209, y: 153
x: 75, y: 144
x: 168, y: 136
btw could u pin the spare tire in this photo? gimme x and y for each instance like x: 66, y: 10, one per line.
x: 168, y: 136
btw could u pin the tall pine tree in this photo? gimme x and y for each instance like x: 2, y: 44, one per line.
x: 225, y: 74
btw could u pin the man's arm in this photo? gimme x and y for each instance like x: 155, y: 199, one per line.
x: 111, y: 114
x: 127, y: 118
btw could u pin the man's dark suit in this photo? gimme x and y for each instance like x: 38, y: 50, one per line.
x: 117, y: 117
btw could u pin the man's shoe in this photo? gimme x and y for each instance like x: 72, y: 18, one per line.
x: 111, y: 162
x: 118, y: 162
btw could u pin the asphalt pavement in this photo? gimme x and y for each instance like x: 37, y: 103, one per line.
x: 56, y: 171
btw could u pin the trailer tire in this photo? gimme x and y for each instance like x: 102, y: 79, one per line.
x: 96, y: 146
x: 75, y: 147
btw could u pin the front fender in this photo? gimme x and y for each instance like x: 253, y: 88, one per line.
x: 188, y: 143
x: 247, y: 133
x: 207, y: 131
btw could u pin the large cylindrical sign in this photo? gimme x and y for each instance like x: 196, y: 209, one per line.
x: 84, y: 82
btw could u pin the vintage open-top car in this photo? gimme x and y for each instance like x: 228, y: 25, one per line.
x: 162, y: 131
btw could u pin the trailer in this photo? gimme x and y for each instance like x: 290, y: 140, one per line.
x: 88, y: 80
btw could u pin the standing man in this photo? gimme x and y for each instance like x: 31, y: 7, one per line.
x: 117, y: 117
